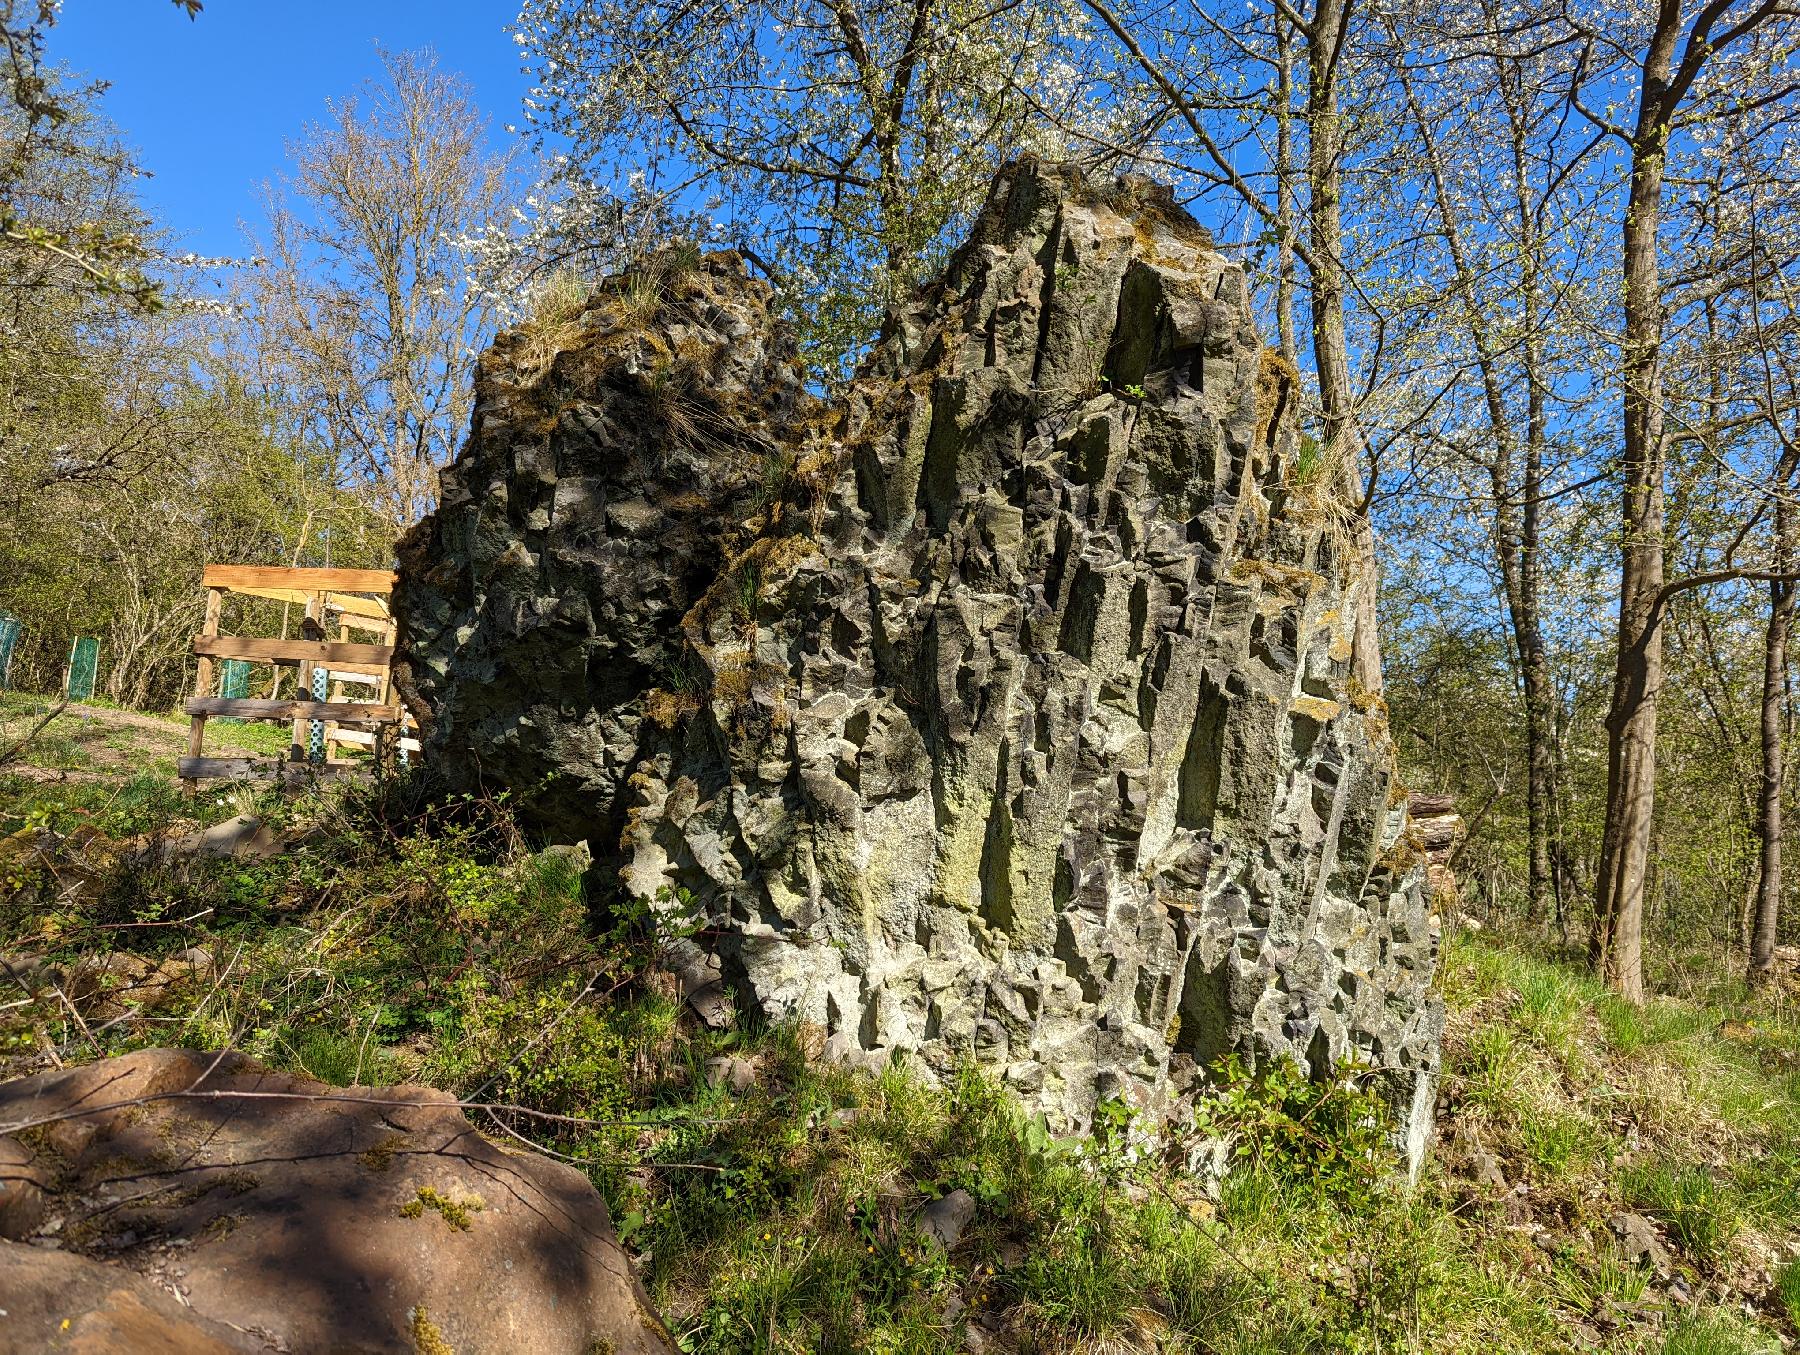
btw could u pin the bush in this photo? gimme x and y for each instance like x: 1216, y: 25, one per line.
x: 1329, y: 1135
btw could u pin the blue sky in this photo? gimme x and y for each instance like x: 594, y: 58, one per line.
x: 209, y: 104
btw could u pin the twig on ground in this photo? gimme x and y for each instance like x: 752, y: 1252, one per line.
x: 217, y: 985
x: 38, y: 728
x: 123, y: 926
x: 194, y: 1091
x: 29, y: 991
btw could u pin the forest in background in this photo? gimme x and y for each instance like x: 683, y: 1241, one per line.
x: 1537, y: 262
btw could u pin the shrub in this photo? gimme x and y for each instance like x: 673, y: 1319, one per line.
x: 1328, y: 1135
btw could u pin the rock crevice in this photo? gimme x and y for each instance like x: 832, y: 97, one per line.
x: 1000, y: 710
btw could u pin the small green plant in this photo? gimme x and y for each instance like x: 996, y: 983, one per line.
x: 1309, y: 463
x: 1608, y: 1278
x: 1326, y: 1135
x: 1547, y: 1007
x: 771, y: 480
x: 748, y: 591
x: 1556, y: 1142
x: 1622, y: 1022
x: 558, y: 300
x: 1490, y: 1067
x: 1716, y: 1333
x: 1701, y: 1214
x: 1787, y: 1289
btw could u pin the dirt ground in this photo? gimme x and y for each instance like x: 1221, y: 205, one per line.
x: 91, y: 743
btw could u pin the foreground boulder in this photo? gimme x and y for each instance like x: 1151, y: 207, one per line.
x: 1001, y: 710
x: 201, y: 1203
x: 55, y: 1300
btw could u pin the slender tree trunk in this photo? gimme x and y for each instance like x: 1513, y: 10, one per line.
x: 1774, y: 773
x: 1285, y: 286
x: 1518, y: 510
x: 1528, y: 628
x: 1326, y: 39
x: 1324, y: 173
x: 1616, y: 947
x: 1540, y: 782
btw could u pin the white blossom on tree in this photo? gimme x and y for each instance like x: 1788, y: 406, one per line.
x: 838, y: 143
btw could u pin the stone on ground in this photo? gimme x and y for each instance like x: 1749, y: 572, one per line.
x: 292, y: 1213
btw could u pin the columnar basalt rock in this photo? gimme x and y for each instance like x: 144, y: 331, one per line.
x: 1004, y: 713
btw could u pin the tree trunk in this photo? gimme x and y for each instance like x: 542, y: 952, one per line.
x: 1518, y: 511
x: 1331, y: 350
x: 1616, y: 947
x: 1285, y: 285
x: 1774, y: 773
x: 1534, y: 656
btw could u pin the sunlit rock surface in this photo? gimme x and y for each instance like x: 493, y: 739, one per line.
x: 1000, y: 710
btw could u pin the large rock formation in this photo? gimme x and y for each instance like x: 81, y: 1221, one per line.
x: 1001, y: 710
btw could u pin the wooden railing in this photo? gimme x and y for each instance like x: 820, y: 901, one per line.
x: 357, y: 600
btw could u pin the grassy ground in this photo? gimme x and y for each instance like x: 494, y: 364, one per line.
x: 96, y: 740
x: 402, y: 939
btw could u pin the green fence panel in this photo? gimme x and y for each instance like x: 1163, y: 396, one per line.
x: 234, y: 678
x: 84, y: 667
x: 9, y: 641
x: 234, y: 683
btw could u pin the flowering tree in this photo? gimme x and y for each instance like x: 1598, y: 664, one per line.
x: 837, y: 142
x: 40, y: 121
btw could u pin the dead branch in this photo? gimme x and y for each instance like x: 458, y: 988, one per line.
x: 36, y: 729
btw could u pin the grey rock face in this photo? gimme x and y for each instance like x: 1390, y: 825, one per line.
x: 585, y: 515
x: 1016, y: 724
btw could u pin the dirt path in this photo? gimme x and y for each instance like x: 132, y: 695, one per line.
x: 107, y: 742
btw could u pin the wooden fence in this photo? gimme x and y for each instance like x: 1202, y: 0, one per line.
x: 344, y: 686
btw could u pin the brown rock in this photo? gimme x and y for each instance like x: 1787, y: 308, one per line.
x: 1640, y: 1242
x: 22, y: 1184
x: 1487, y: 1169
x: 122, y: 984
x: 56, y: 1301
x: 1441, y: 832
x: 736, y: 1074
x: 317, y: 1217
x: 243, y: 836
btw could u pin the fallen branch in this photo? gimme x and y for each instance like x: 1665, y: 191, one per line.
x: 194, y: 1092
x: 36, y: 729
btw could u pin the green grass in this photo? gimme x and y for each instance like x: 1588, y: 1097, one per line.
x: 1787, y: 1289
x: 1717, y: 1333
x: 260, y: 737
x: 405, y: 938
x: 1701, y: 1213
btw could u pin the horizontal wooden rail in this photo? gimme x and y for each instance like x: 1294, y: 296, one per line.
x: 251, y: 708
x: 330, y: 652
x: 375, y: 610
x: 244, y: 577
x: 257, y: 769
x: 342, y: 735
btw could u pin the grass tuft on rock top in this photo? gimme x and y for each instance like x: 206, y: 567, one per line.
x: 405, y: 937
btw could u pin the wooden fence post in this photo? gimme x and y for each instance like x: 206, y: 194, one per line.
x: 203, y: 679
x: 315, y: 608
